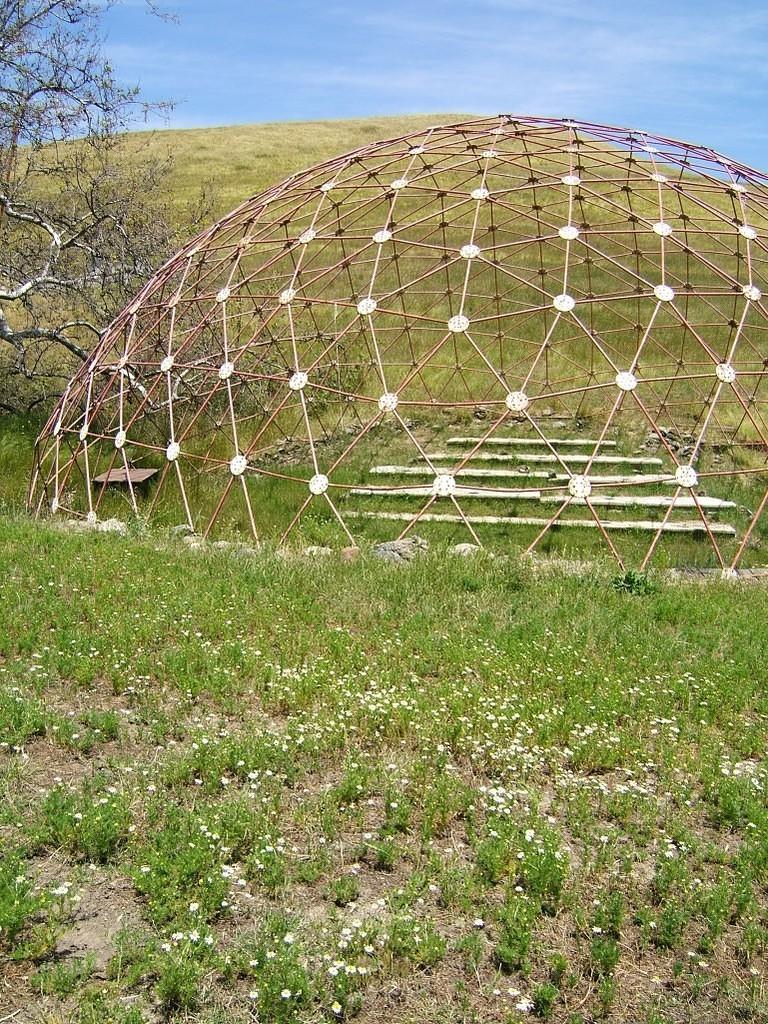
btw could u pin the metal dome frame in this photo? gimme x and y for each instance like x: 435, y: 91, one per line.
x: 517, y: 271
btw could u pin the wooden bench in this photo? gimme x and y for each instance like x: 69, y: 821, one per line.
x: 122, y: 477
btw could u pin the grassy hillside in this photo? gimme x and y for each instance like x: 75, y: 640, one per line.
x: 240, y: 161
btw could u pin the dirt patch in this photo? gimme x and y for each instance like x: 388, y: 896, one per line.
x: 45, y: 764
x: 107, y: 906
x: 16, y: 1004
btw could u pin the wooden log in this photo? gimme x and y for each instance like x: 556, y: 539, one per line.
x: 623, y: 480
x: 506, y: 474
x: 578, y: 457
x: 504, y: 493
x: 461, y: 492
x: 642, y: 501
x: 554, y: 442
x: 684, y: 526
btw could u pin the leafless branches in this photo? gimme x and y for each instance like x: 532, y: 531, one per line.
x: 82, y: 206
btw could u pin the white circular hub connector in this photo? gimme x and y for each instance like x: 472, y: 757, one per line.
x: 238, y: 465
x: 480, y: 193
x: 626, y: 381
x: 444, y: 485
x: 327, y: 186
x: 458, y: 324
x: 489, y: 154
x: 366, y: 306
x: 399, y: 183
x: 571, y: 179
x: 568, y: 232
x: 469, y: 251
x: 417, y: 150
x: 287, y: 296
x: 173, y: 451
x: 318, y: 484
x: 738, y: 189
x: 664, y: 293
x: 226, y: 370
x: 122, y: 362
x: 388, y: 401
x: 91, y: 518
x: 167, y: 364
x: 382, y: 236
x: 686, y: 476
x: 55, y: 505
x: 752, y: 293
x: 660, y: 179
x: 748, y: 232
x: 307, y: 236
x: 517, y: 401
x: 662, y: 228
x: 298, y: 381
x: 580, y: 486
x: 223, y: 295
x: 725, y: 373
x: 564, y: 303
x: 83, y: 435
x: 120, y: 439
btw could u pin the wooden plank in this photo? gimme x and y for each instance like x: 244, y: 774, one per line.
x: 684, y: 526
x: 606, y: 500
x: 470, y: 471
x: 631, y: 460
x: 538, y: 442
x: 623, y: 480
x: 461, y: 492
x: 642, y: 501
x: 120, y: 476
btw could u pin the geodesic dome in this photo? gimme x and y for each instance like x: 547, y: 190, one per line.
x: 529, y: 332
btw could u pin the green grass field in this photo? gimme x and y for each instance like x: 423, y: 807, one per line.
x: 279, y: 790
x: 461, y: 791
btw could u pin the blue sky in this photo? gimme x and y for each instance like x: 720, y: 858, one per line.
x: 692, y: 70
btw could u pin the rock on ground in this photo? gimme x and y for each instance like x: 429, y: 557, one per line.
x: 465, y: 550
x: 112, y: 526
x: 404, y: 550
x: 182, y: 530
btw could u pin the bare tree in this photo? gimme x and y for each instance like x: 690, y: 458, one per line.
x: 83, y: 211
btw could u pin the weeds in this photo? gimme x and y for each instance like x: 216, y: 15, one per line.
x: 441, y: 774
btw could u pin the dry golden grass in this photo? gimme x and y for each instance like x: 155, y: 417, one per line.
x: 239, y: 161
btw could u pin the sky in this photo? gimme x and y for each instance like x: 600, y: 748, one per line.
x: 693, y: 69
